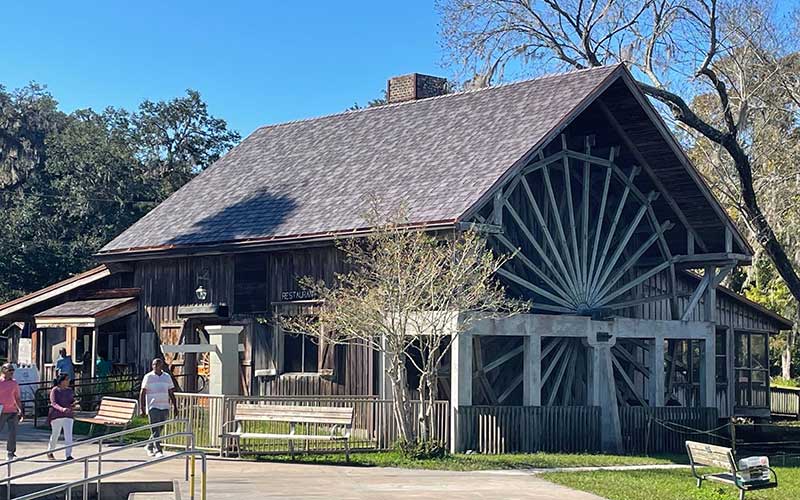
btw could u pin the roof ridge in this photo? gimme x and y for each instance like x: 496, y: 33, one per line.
x: 443, y: 96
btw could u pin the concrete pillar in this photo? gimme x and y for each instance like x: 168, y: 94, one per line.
x: 224, y: 359
x: 602, y: 393
x: 656, y: 384
x: 460, y: 385
x: 532, y: 371
x: 708, y: 372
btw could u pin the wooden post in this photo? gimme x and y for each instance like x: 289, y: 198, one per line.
x: 532, y: 371
x: 94, y: 352
x: 708, y: 377
x: 460, y: 385
x: 656, y: 380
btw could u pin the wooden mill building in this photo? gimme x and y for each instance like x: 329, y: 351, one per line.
x: 622, y: 251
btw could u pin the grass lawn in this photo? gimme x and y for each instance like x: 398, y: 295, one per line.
x: 670, y: 485
x: 475, y: 462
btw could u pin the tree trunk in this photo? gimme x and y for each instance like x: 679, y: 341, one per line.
x: 741, y: 161
x: 401, y: 405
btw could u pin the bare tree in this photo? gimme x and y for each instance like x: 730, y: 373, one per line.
x: 409, y: 295
x: 734, y: 52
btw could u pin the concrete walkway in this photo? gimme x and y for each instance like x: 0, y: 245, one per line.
x: 233, y: 479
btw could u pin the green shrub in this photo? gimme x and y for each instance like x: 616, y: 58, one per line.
x: 421, y: 450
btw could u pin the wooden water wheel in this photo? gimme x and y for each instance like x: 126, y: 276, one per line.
x: 497, y: 373
x: 577, y: 226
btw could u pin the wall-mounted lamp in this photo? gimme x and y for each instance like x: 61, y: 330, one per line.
x: 201, y: 293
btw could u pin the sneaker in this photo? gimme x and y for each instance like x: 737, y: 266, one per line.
x: 11, y: 456
x: 68, y: 459
x: 159, y: 454
x: 150, y: 453
x: 50, y: 456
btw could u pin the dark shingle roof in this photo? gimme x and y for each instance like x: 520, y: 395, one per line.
x: 437, y: 156
x: 83, y: 308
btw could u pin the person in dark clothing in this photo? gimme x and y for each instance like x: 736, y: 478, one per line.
x: 60, y: 416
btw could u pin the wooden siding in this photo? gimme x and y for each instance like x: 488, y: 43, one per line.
x: 730, y: 312
x: 168, y: 283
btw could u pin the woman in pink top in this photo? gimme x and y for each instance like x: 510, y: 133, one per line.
x: 12, y: 407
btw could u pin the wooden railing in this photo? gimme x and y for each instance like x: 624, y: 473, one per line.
x: 374, y: 426
x: 666, y: 429
x: 785, y: 402
x: 513, y: 429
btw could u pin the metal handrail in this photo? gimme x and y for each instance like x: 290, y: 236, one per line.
x: 97, y: 439
x: 68, y: 487
x: 8, y: 480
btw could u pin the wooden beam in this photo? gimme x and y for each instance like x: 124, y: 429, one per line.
x: 480, y: 228
x: 568, y: 289
x: 621, y: 246
x: 513, y: 385
x: 640, y: 159
x: 627, y: 380
x: 698, y: 293
x: 631, y: 261
x: 613, y: 228
x: 502, y: 359
x: 560, y: 227
x: 571, y: 213
x: 548, y: 237
x: 530, y: 286
x: 639, y: 280
x: 561, y: 371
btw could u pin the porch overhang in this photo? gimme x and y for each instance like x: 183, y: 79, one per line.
x: 86, y: 313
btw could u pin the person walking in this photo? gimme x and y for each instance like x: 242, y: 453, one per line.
x: 158, y: 391
x: 11, y: 412
x: 60, y: 416
x: 64, y: 365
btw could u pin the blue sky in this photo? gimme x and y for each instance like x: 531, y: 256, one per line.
x: 255, y: 63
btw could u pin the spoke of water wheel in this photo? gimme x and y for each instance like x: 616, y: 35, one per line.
x: 530, y: 265
x: 639, y: 279
x: 571, y: 213
x: 556, y: 358
x: 513, y: 385
x: 625, y: 355
x: 536, y: 289
x: 600, y: 217
x: 565, y: 291
x: 585, y: 216
x: 548, y: 237
x: 613, y: 229
x: 540, y: 306
x: 632, y: 260
x: 623, y: 243
x: 502, y: 359
x: 628, y: 381
x: 639, y: 301
x: 550, y: 345
x: 560, y: 227
x: 570, y: 375
x: 561, y: 371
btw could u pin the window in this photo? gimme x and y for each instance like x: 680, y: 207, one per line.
x: 751, y: 368
x: 300, y: 353
x: 721, y: 357
x: 250, y: 283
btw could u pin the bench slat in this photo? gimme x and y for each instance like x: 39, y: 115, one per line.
x: 290, y: 413
x: 304, y: 437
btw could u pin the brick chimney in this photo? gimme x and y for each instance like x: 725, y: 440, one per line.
x: 414, y: 86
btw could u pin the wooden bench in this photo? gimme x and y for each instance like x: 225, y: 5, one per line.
x: 339, y: 421
x: 113, y: 412
x: 720, y: 457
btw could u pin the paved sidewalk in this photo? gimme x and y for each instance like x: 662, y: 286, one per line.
x: 233, y: 479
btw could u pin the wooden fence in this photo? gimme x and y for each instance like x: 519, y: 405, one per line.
x: 374, y: 426
x: 527, y: 429
x: 666, y: 429
x: 785, y: 402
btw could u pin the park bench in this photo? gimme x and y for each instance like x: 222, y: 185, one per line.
x: 338, y: 421
x: 750, y: 479
x: 113, y: 412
